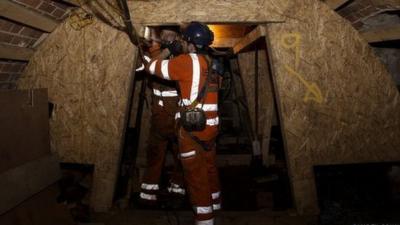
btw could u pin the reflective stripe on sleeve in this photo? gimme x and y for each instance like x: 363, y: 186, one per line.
x: 188, y: 154
x: 164, y: 69
x: 149, y: 187
x: 140, y: 68
x: 194, y: 91
x: 146, y: 58
x: 148, y: 197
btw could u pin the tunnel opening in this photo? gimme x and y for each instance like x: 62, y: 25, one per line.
x: 250, y: 146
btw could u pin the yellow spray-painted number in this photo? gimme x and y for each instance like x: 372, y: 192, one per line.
x: 293, y: 41
x: 80, y: 20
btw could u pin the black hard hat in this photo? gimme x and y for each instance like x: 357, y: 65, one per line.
x: 198, y: 34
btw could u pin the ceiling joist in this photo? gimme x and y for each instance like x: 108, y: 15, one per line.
x: 72, y: 2
x: 225, y: 42
x: 21, y: 14
x: 15, y: 52
x: 386, y: 33
x: 251, y: 37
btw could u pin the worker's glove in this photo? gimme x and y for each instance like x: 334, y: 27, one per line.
x: 218, y: 67
x: 144, y: 44
x: 175, y: 48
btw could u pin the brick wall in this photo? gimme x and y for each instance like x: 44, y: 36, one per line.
x: 16, y: 34
x: 360, y: 10
x: 10, y: 72
x: 52, y: 9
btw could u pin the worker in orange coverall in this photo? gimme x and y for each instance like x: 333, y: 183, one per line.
x: 197, y: 148
x: 162, y: 130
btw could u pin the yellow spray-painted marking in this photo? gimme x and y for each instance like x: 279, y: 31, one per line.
x: 293, y: 41
x: 313, y: 91
x: 80, y: 20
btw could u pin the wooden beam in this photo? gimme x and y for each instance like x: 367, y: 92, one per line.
x: 251, y: 37
x: 386, y: 33
x: 225, y: 42
x: 15, y: 52
x: 21, y: 14
x: 334, y: 4
x: 72, y: 2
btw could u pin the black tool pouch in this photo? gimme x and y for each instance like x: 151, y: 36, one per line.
x: 193, y: 119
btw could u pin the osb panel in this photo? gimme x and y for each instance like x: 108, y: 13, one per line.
x: 88, y: 73
x: 265, y: 94
x: 338, y: 102
x: 178, y: 11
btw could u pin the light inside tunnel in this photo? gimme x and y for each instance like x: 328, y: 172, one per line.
x: 227, y: 35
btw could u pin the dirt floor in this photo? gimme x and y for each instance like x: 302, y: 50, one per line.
x: 146, y: 217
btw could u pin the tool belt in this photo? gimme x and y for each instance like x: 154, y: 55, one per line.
x: 193, y: 119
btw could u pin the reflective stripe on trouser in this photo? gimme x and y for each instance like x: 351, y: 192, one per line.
x: 176, y: 188
x: 162, y: 131
x: 201, y: 175
x: 216, y: 197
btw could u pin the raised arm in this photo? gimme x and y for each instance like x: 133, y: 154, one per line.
x: 178, y: 68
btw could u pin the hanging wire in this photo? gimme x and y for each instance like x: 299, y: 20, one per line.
x: 80, y: 19
x: 103, y: 13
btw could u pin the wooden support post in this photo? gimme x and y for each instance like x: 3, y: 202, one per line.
x: 250, y: 38
x: 387, y: 33
x: 15, y: 52
x: 21, y: 14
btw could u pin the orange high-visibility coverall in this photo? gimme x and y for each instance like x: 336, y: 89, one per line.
x: 200, y: 171
x: 162, y: 132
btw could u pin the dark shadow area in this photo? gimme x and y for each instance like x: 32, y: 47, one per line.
x: 359, y: 193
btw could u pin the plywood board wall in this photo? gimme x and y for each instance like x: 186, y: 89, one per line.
x: 338, y: 102
x: 88, y: 74
x: 210, y: 11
